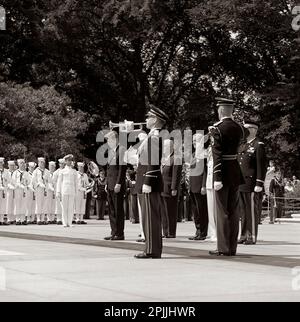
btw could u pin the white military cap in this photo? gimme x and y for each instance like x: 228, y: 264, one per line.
x: 2, y: 159
x: 68, y: 157
x: 52, y: 163
x: 31, y: 164
x: 61, y: 160
x: 41, y: 159
x: 11, y: 162
x: 20, y: 161
x: 80, y: 164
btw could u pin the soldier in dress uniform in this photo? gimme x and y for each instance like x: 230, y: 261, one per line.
x: 197, y: 189
x: 10, y: 206
x: 116, y: 173
x: 30, y: 211
x: 58, y: 210
x: 40, y: 179
x: 252, y: 159
x: 227, y: 136
x: 21, y: 181
x: 51, y: 193
x: 66, y: 190
x: 4, y: 179
x: 171, y: 175
x: 100, y: 194
x: 83, y: 183
x: 152, y: 184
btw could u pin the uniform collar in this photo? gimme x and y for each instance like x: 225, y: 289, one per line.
x: 226, y: 117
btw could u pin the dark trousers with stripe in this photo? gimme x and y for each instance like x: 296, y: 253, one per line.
x: 171, y: 210
x: 250, y: 210
x: 227, y: 218
x: 151, y: 205
x: 200, y: 211
x: 116, y: 213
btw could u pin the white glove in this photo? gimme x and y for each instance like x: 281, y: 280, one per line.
x: 42, y: 185
x: 2, y: 188
x: 10, y: 186
x: 218, y: 185
x: 117, y: 188
x: 174, y: 193
x: 258, y: 189
x: 146, y: 188
x: 203, y: 191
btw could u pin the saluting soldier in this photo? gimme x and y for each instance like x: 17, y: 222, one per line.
x: 21, y: 181
x: 83, y: 183
x: 252, y: 159
x: 51, y: 193
x: 171, y: 175
x: 152, y: 184
x: 66, y: 190
x: 30, y: 204
x: 40, y: 180
x: 227, y: 136
x: 10, y: 206
x: 4, y: 179
x: 116, y: 173
x: 58, y: 210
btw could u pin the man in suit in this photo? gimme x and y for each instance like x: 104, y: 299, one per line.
x: 171, y: 175
x: 152, y: 184
x: 227, y: 136
x: 198, y: 196
x: 252, y: 159
x: 100, y: 194
x: 116, y: 173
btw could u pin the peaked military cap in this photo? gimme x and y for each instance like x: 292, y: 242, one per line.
x: 251, y: 123
x: 226, y: 102
x: 155, y: 111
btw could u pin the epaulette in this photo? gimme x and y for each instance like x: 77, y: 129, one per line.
x: 218, y: 123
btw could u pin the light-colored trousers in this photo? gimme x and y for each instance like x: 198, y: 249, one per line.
x: 68, y: 208
x: 41, y: 204
x: 80, y: 205
x: 3, y: 202
x: 58, y: 210
x: 50, y: 205
x: 211, y: 205
x: 20, y: 205
x: 30, y: 211
x: 10, y: 205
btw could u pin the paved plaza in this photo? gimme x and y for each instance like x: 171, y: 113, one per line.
x: 51, y: 263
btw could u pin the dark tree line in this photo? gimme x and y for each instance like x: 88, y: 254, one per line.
x: 105, y: 59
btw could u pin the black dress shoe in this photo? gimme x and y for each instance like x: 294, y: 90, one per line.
x: 146, y: 256
x: 249, y: 242
x: 83, y: 223
x: 108, y: 238
x: 171, y: 236
x: 118, y: 238
x: 193, y: 238
x: 59, y: 223
x: 217, y: 253
x: 141, y: 240
x: 241, y: 241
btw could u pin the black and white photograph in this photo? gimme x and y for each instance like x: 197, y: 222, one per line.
x: 149, y: 153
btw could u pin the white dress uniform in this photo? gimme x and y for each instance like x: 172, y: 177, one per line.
x: 4, y: 179
x: 10, y: 198
x: 40, y: 182
x: 51, y: 199
x: 30, y: 210
x: 83, y: 182
x: 58, y: 210
x: 212, y: 232
x: 21, y: 182
x: 67, y: 187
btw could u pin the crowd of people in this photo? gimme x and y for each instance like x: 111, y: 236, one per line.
x: 229, y: 188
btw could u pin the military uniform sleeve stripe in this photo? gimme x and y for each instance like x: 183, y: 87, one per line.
x: 218, y: 165
x: 260, y: 181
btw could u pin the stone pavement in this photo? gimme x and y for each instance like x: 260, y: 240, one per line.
x: 52, y: 263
